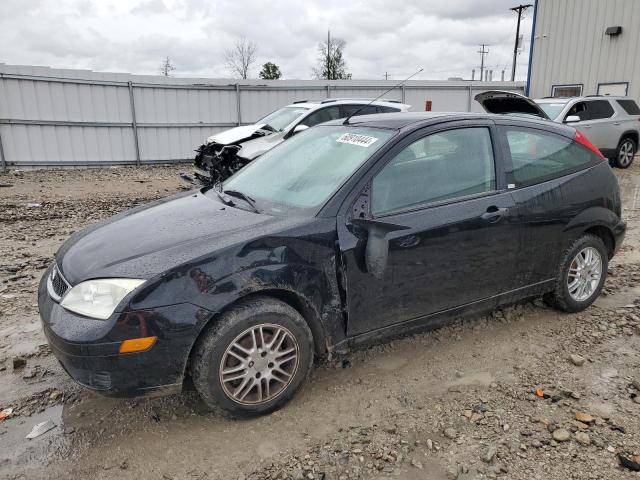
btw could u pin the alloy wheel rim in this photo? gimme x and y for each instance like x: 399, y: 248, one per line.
x: 259, y: 364
x: 626, y: 153
x: 585, y: 272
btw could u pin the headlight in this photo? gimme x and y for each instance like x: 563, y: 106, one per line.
x: 99, y: 298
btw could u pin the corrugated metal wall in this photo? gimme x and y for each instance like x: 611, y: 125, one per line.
x: 52, y: 117
x: 570, y: 45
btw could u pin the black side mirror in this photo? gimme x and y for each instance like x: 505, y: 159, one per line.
x: 376, y: 250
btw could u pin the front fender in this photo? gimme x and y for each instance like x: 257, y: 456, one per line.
x: 313, y: 290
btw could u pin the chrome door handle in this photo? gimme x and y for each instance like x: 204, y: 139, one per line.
x: 616, y: 123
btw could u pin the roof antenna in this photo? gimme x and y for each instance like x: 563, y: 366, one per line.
x: 346, y: 120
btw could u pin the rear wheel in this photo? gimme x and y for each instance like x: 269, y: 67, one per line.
x: 254, y: 360
x: 581, y: 275
x: 625, y: 153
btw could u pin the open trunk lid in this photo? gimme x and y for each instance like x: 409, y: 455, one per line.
x: 509, y: 103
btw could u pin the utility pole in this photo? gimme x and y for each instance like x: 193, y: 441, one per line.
x: 482, y: 53
x: 386, y: 75
x: 328, y: 54
x: 519, y: 9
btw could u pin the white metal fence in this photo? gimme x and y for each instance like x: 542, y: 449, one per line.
x: 52, y: 117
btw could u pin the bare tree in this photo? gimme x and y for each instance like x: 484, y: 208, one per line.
x: 167, y: 67
x: 240, y: 58
x: 331, y: 65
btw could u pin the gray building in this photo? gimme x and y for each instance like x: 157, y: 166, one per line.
x: 585, y: 47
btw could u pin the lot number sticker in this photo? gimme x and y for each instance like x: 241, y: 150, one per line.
x: 355, y: 139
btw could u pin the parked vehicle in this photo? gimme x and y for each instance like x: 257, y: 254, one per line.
x: 611, y: 123
x: 226, y: 152
x: 350, y: 232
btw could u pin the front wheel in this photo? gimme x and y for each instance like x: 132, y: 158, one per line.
x: 254, y: 359
x: 581, y: 275
x: 625, y: 153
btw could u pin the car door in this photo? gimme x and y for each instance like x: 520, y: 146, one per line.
x: 438, y: 231
x: 626, y: 117
x: 544, y: 169
x: 596, y: 122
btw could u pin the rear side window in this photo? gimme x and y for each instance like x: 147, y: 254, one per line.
x: 358, y: 110
x: 598, y: 109
x: 385, y: 109
x: 629, y: 106
x: 538, y: 156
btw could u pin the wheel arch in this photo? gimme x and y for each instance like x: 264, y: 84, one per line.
x: 291, y: 298
x: 632, y: 134
x: 606, y: 235
x: 304, y: 308
x: 598, y: 221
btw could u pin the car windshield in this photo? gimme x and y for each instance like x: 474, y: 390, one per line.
x: 552, y: 109
x: 281, y: 118
x: 306, y: 170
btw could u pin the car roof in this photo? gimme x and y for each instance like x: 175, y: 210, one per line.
x: 400, y: 120
x: 393, y: 121
x: 347, y: 101
x: 584, y: 97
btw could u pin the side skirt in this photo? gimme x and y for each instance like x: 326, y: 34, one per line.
x: 436, y: 320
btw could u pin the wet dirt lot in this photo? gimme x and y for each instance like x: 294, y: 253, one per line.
x: 458, y: 402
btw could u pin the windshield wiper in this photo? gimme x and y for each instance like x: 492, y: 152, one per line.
x: 226, y: 200
x: 245, y: 197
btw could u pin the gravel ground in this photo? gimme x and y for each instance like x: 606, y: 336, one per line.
x: 523, y: 393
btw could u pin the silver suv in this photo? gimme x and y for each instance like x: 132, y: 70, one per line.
x: 611, y: 123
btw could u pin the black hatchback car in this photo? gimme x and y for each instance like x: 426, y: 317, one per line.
x: 347, y: 233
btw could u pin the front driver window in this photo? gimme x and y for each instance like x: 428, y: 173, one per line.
x: 441, y: 166
x: 578, y: 110
x: 321, y: 116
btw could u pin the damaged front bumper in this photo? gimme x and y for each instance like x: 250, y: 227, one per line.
x: 89, y: 349
x: 214, y: 163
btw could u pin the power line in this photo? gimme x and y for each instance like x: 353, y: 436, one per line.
x: 519, y: 9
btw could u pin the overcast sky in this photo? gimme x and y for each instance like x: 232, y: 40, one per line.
x: 391, y: 36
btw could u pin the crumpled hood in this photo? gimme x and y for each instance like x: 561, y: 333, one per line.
x: 257, y: 146
x: 151, y: 239
x: 237, y: 134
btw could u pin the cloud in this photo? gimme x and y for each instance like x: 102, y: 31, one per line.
x: 150, y: 7
x: 381, y: 35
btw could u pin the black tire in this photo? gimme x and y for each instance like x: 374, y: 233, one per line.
x: 625, y: 153
x: 210, y: 350
x: 560, y: 298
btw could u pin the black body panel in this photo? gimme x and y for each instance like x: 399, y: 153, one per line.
x: 432, y: 262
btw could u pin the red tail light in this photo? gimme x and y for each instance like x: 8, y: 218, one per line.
x: 582, y: 139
